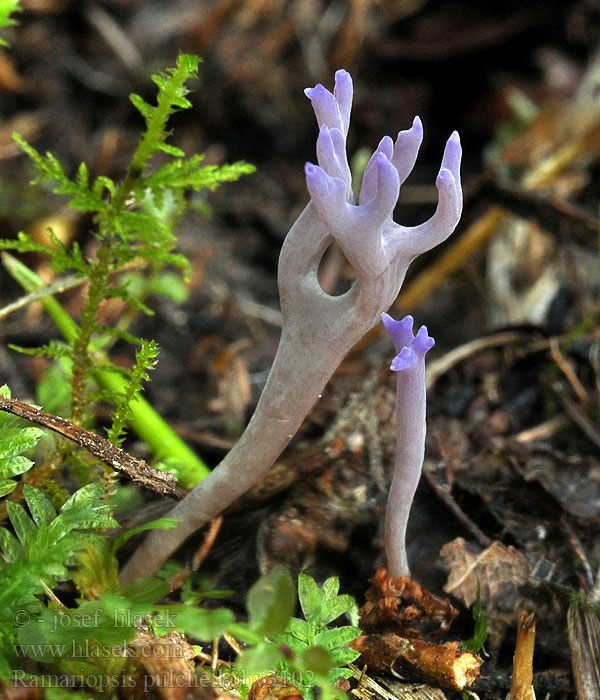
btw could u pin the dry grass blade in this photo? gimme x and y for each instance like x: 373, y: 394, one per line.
x: 521, y: 687
x: 450, y: 261
x: 436, y: 369
x: 583, y: 621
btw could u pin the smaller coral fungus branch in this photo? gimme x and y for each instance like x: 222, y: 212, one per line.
x: 410, y: 435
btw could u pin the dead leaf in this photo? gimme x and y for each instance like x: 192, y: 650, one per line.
x: 500, y: 572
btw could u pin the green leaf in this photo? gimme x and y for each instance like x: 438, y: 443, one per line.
x: 172, y: 150
x: 344, y: 656
x: 102, y: 183
x: 270, y: 602
x: 11, y: 466
x: 203, y: 624
x: 10, y: 546
x: 146, y: 590
x: 331, y: 609
x: 86, y: 497
x: 331, y: 587
x: 7, y: 487
x: 16, y: 440
x: 298, y: 646
x: 308, y: 595
x: 336, y: 637
x: 476, y: 642
x: 336, y: 673
x: 264, y: 657
x: 24, y: 527
x: 41, y: 509
x: 170, y: 286
x: 171, y: 96
x: 158, y: 524
x: 141, y: 105
x: 298, y: 628
x: 317, y: 660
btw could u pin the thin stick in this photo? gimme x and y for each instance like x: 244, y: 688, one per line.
x: 209, y: 538
x: 566, y: 368
x: 446, y: 497
x: 137, y: 470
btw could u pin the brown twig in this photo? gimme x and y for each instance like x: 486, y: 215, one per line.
x: 209, y: 538
x: 137, y: 470
x: 576, y: 414
x: 447, y: 498
x: 578, y: 550
x: 567, y: 369
x: 551, y: 213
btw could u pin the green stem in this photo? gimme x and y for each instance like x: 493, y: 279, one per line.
x: 83, y: 347
x: 144, y: 421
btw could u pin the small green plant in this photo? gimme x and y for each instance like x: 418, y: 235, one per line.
x: 321, y: 607
x: 306, y: 651
x: 476, y: 642
x: 134, y: 222
x: 14, y: 441
x: 34, y: 559
x: 85, y: 641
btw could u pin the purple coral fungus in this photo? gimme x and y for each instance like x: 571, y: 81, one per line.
x: 319, y: 329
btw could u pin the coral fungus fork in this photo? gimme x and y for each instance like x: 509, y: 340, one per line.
x: 318, y: 329
x: 410, y: 435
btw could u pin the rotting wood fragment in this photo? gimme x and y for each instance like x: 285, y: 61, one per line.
x: 446, y: 665
x: 137, y: 470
